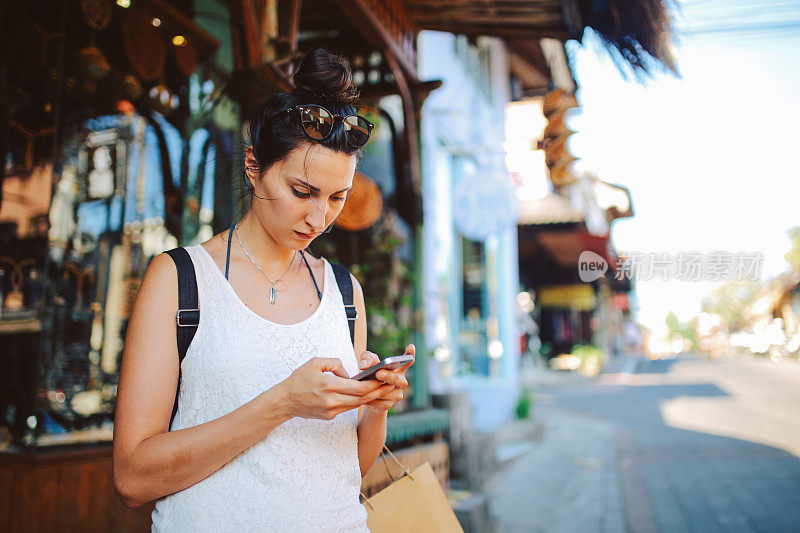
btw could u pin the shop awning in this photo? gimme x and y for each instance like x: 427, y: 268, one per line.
x: 567, y: 246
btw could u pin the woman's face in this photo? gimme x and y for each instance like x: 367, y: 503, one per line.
x: 306, y: 193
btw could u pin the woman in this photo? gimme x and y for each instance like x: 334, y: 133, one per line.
x: 270, y: 433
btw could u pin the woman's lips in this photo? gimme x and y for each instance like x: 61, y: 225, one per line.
x: 305, y: 236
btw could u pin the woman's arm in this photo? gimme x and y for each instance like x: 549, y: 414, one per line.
x: 372, y: 417
x: 371, y: 424
x: 149, y: 461
x: 371, y: 437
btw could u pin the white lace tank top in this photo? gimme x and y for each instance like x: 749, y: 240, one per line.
x: 304, y: 476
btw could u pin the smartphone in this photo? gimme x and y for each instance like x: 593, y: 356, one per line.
x: 390, y: 363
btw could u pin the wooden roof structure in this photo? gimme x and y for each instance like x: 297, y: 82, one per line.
x: 510, y: 19
x: 637, y: 33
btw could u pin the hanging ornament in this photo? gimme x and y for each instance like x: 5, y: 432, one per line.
x: 132, y: 87
x: 93, y: 66
x: 363, y: 206
x: 144, y: 45
x: 96, y: 13
x: 15, y: 299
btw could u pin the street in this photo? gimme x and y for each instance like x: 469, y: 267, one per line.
x: 685, y: 444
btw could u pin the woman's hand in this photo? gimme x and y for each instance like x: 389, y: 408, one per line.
x: 393, y: 381
x: 312, y: 392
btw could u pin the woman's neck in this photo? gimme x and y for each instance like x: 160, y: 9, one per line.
x: 261, y: 246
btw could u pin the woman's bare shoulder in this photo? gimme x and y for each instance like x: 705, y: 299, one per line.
x: 217, y: 246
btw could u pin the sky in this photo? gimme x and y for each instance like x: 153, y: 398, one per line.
x: 712, y: 158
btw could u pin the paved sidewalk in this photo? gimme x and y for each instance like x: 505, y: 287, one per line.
x: 567, y: 482
x: 677, y: 445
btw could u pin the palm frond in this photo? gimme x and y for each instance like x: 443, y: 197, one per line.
x: 637, y: 33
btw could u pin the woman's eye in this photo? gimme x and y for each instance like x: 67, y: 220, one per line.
x: 300, y: 194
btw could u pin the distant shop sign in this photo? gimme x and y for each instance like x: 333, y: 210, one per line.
x: 578, y: 296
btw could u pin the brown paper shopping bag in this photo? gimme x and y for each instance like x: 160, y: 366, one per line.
x: 415, y: 502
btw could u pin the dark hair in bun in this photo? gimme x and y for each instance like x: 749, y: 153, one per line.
x: 326, y: 75
x: 324, y: 79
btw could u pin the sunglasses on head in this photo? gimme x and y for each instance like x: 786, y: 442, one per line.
x: 318, y: 123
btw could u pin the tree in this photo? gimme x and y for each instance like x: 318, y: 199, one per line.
x: 682, y: 330
x: 732, y: 300
x: 673, y: 325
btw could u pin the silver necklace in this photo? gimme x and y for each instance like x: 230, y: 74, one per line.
x: 273, y: 291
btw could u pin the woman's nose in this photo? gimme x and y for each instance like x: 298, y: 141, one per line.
x: 316, y: 217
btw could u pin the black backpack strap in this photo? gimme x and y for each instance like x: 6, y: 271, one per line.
x: 188, y: 316
x: 345, y: 284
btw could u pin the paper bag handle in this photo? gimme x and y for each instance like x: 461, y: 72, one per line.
x: 405, y: 469
x: 406, y: 472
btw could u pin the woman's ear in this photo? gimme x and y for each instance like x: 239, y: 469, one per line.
x: 250, y: 166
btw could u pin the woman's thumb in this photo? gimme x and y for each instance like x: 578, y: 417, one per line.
x: 333, y: 364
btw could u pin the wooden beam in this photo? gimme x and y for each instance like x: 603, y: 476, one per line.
x: 533, y: 81
x: 294, y: 24
x: 419, y: 92
x: 572, y: 18
x: 496, y: 20
x: 500, y: 31
x: 372, y: 28
x: 288, y: 30
x: 530, y: 51
x: 409, y: 122
x: 414, y: 4
x: 510, y: 13
x: 268, y: 13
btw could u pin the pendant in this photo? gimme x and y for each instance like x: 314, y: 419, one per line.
x: 273, y: 295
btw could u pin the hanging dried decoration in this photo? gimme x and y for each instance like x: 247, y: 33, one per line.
x: 144, y: 46
x: 93, y: 65
x: 96, y: 13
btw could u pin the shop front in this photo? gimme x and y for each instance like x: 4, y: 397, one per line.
x: 122, y: 138
x: 117, y: 145
x: 574, y: 307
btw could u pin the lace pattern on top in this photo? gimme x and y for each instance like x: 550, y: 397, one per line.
x: 305, y: 475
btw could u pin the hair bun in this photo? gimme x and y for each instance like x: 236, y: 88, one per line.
x: 325, y: 75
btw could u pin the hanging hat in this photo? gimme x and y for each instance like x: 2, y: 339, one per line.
x: 363, y: 206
